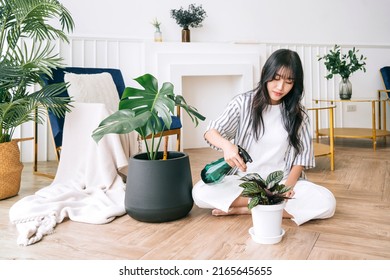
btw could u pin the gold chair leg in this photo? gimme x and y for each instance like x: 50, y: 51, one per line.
x: 35, y: 163
x: 178, y: 142
x: 165, y: 154
x: 331, y: 138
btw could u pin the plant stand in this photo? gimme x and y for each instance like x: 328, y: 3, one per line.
x: 267, y: 223
x: 159, y: 190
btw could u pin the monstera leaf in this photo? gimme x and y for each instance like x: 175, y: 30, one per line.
x: 147, y: 110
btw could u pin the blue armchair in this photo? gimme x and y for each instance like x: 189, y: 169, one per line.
x: 385, y: 73
x: 57, y: 124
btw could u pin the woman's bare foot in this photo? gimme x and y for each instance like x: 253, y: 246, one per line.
x: 232, y: 211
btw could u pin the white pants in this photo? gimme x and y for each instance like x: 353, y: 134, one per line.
x: 310, y: 201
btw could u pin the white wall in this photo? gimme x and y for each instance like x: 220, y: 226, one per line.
x: 118, y: 34
x: 297, y: 21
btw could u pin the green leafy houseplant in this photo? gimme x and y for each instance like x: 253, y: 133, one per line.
x: 264, y: 192
x: 343, y: 64
x: 22, y: 65
x: 192, y: 17
x: 147, y: 111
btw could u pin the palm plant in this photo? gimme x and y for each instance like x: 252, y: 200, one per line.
x: 147, y: 111
x: 264, y: 192
x: 23, y: 64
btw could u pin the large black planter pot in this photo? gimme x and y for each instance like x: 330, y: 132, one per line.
x: 159, y: 190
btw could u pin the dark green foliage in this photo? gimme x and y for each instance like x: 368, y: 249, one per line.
x: 23, y: 65
x: 264, y: 192
x: 192, y: 17
x: 343, y: 64
x: 141, y: 110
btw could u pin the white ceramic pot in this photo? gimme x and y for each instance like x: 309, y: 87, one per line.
x: 267, y: 223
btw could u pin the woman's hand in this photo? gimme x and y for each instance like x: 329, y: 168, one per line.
x: 290, y: 193
x: 232, y: 157
x: 292, y: 179
x: 230, y: 151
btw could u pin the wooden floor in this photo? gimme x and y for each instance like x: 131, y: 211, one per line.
x: 360, y: 228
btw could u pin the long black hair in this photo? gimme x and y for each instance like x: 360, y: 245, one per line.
x: 288, y: 64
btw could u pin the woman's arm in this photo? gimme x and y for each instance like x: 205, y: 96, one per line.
x: 230, y: 151
x: 292, y: 179
x: 306, y: 156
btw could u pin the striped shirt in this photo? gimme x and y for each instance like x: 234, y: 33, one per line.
x: 235, y: 124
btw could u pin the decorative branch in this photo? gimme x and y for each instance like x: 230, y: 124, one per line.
x: 192, y: 17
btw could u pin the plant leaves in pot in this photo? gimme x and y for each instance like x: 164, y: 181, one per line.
x: 345, y: 65
x: 157, y: 190
x: 26, y: 56
x: 267, y: 201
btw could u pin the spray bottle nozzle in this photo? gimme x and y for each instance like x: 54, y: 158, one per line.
x: 244, y: 154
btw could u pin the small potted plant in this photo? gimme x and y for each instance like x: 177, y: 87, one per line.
x: 344, y: 65
x: 158, y: 189
x: 157, y: 32
x: 267, y: 201
x: 192, y: 17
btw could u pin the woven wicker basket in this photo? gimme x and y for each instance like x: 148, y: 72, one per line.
x: 10, y: 169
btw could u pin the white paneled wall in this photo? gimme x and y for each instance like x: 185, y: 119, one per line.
x: 136, y: 57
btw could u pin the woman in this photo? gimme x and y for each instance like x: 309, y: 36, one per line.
x: 271, y: 124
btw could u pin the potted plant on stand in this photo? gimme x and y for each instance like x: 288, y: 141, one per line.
x: 21, y: 67
x: 267, y: 201
x: 344, y: 65
x: 158, y: 187
x: 192, y: 17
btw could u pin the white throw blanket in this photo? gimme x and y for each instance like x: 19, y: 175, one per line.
x: 87, y: 187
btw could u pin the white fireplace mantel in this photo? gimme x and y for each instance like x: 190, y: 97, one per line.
x: 211, y: 68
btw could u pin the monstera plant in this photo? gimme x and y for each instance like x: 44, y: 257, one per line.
x: 151, y: 181
x: 147, y: 111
